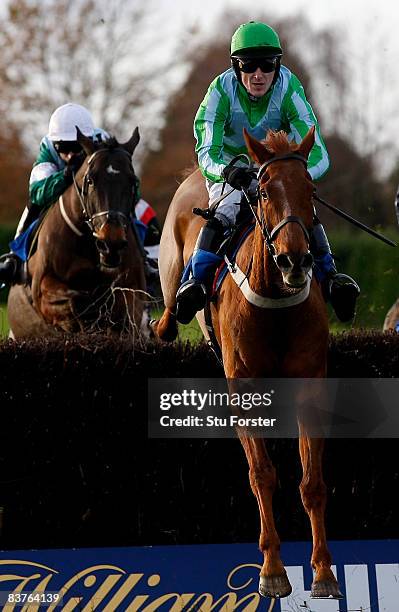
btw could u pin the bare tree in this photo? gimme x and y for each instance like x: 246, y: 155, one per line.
x: 100, y: 53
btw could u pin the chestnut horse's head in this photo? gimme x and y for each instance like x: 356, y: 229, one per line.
x: 285, y: 203
x: 108, y: 188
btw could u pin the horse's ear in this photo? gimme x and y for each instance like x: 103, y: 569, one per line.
x: 87, y: 144
x: 307, y: 143
x: 256, y: 149
x: 131, y: 144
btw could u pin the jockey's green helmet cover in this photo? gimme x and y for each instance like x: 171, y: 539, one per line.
x: 257, y: 38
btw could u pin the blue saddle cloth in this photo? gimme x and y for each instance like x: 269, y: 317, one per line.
x: 20, y: 245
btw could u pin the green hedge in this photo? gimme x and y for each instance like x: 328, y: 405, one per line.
x: 375, y: 267
x: 6, y: 234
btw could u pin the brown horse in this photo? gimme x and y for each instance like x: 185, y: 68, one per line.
x: 391, y: 321
x: 87, y: 271
x: 260, y: 342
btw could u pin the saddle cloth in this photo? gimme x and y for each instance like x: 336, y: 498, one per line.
x: 21, y: 245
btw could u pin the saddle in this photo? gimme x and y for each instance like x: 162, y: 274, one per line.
x: 21, y: 245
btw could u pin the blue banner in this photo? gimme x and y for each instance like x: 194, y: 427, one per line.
x: 201, y: 577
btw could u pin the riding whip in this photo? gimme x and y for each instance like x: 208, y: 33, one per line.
x: 355, y: 222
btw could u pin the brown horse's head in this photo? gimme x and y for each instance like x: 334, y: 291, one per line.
x: 285, y: 203
x: 108, y: 186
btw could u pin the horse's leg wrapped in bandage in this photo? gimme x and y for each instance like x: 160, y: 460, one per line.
x: 340, y: 289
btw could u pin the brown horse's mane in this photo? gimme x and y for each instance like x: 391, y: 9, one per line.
x: 188, y: 171
x: 110, y: 143
x: 277, y: 142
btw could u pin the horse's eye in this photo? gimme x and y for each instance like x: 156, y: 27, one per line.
x: 90, y: 181
x: 263, y: 193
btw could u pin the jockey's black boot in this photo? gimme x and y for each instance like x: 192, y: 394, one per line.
x: 340, y: 289
x: 9, y: 266
x: 192, y: 294
x: 10, y: 263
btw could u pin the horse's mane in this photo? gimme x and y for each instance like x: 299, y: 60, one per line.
x: 277, y: 142
x: 188, y: 171
x: 110, y: 143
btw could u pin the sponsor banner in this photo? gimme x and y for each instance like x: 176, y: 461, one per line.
x: 271, y: 407
x: 202, y: 577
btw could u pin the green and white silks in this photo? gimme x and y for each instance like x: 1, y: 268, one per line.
x: 227, y: 109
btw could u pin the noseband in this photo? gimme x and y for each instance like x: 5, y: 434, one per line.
x: 269, y: 237
x: 84, y: 192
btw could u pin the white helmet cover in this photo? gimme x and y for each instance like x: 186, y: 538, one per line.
x: 63, y: 122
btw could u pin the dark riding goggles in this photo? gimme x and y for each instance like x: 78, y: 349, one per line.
x: 67, y: 146
x: 266, y: 64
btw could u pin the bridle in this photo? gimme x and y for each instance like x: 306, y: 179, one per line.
x: 83, y: 192
x: 269, y: 237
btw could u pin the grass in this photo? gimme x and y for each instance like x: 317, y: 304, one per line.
x: 187, y: 333
x: 3, y: 321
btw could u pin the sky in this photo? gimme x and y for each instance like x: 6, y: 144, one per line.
x: 352, y: 13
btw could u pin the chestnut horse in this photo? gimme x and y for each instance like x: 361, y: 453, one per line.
x: 87, y: 271
x: 258, y: 342
x: 391, y: 321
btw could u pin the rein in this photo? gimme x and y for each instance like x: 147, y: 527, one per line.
x: 269, y: 237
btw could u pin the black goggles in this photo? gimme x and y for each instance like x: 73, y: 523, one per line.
x: 67, y: 146
x: 266, y: 64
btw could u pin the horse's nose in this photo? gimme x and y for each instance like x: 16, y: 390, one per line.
x: 111, y: 237
x: 287, y: 262
x: 284, y: 262
x: 105, y: 247
x: 294, y: 268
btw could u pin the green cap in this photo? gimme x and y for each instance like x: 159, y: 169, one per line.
x: 255, y: 37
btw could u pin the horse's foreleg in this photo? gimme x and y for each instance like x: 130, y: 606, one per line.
x: 166, y: 327
x: 313, y: 493
x: 273, y: 580
x: 170, y: 267
x: 55, y: 304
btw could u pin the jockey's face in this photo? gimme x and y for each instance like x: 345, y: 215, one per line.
x: 66, y: 157
x: 257, y: 83
x: 67, y: 149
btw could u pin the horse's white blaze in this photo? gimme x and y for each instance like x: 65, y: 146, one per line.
x: 111, y: 170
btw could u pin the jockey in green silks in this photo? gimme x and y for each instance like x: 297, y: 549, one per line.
x: 60, y: 156
x: 258, y: 93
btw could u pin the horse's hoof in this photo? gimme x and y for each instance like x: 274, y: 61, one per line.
x: 274, y: 586
x: 326, y: 589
